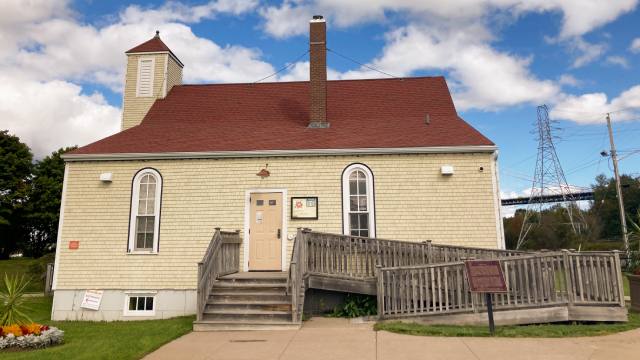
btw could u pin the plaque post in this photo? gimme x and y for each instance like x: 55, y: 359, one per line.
x: 492, y: 326
x: 485, y: 276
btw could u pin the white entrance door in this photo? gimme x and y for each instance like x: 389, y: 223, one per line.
x: 265, y: 231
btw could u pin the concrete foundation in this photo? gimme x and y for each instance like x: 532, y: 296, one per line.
x: 168, y: 304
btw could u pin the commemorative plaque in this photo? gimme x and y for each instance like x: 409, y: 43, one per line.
x: 485, y: 276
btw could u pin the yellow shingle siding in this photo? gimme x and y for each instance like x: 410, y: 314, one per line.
x: 135, y: 108
x: 413, y: 202
x: 174, y: 74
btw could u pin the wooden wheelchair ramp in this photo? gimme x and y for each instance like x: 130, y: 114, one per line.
x: 422, y: 281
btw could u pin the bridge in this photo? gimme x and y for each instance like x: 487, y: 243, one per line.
x: 553, y: 198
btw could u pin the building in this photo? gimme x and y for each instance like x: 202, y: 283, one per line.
x: 386, y: 158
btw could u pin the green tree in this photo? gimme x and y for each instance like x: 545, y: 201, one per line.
x: 605, y: 205
x: 44, y: 204
x: 15, y: 172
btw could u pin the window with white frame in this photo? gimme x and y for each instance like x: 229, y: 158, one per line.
x: 144, y: 85
x: 145, y: 211
x: 140, y: 305
x: 358, y: 208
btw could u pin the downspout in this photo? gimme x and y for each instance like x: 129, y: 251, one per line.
x: 497, y: 202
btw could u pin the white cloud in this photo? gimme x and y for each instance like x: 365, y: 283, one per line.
x: 176, y: 11
x: 480, y: 76
x: 570, y: 80
x: 592, y: 107
x: 45, y: 50
x: 584, y: 52
x: 578, y: 16
x: 618, y: 60
x: 635, y: 46
x: 54, y: 114
x: 64, y: 48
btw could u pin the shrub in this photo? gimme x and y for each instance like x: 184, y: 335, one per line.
x: 357, y: 305
x: 12, y: 302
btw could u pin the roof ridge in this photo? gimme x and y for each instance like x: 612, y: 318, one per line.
x: 307, y: 81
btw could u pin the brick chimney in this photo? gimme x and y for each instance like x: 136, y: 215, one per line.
x: 318, y: 72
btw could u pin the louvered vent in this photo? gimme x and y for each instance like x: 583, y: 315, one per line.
x: 145, y: 77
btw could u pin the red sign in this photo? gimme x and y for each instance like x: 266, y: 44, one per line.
x: 485, y: 276
x: 74, y: 244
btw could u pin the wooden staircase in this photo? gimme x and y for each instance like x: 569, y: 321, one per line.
x: 248, y: 301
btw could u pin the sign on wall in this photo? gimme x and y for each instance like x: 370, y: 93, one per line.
x: 92, y: 299
x: 304, y: 207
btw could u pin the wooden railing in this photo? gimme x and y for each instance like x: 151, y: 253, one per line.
x: 357, y: 257
x: 295, y: 281
x: 533, y: 281
x: 594, y: 277
x: 221, y: 258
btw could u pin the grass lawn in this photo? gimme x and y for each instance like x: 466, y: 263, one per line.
x: 102, y: 340
x: 541, y: 330
x: 625, y: 284
x: 29, y: 267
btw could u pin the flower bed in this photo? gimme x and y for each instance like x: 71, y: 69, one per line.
x: 29, y: 336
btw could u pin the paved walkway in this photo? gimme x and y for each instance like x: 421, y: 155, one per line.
x: 326, y: 339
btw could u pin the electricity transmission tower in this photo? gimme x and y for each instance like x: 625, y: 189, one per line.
x: 548, y: 179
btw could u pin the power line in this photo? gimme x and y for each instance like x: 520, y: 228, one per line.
x: 290, y: 64
x: 363, y: 65
x: 625, y: 109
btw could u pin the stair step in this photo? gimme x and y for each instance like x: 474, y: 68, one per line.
x: 258, y: 316
x: 247, y: 291
x: 253, y: 280
x: 213, y: 325
x: 247, y: 312
x: 248, y: 297
x: 237, y: 286
x: 263, y: 306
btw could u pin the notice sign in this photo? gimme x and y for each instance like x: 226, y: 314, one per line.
x: 304, y: 208
x: 91, y: 299
x: 485, y: 276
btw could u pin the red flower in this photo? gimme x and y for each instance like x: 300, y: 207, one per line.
x: 44, y: 327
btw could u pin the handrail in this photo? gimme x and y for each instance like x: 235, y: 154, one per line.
x: 297, y: 271
x: 542, y: 279
x: 421, y: 278
x: 221, y: 258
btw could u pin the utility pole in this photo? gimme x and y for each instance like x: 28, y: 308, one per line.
x: 623, y: 216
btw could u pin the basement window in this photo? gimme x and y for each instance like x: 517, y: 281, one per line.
x: 139, y: 305
x: 144, y: 84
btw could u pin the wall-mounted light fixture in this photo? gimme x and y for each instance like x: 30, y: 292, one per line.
x: 106, y: 177
x: 446, y: 169
x: 264, y: 173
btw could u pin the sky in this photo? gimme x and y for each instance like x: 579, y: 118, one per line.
x: 62, y: 64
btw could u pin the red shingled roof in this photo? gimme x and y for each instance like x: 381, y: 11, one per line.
x: 377, y: 113
x: 155, y: 44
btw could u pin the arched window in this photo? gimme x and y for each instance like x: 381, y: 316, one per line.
x: 358, y: 207
x: 145, y: 211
